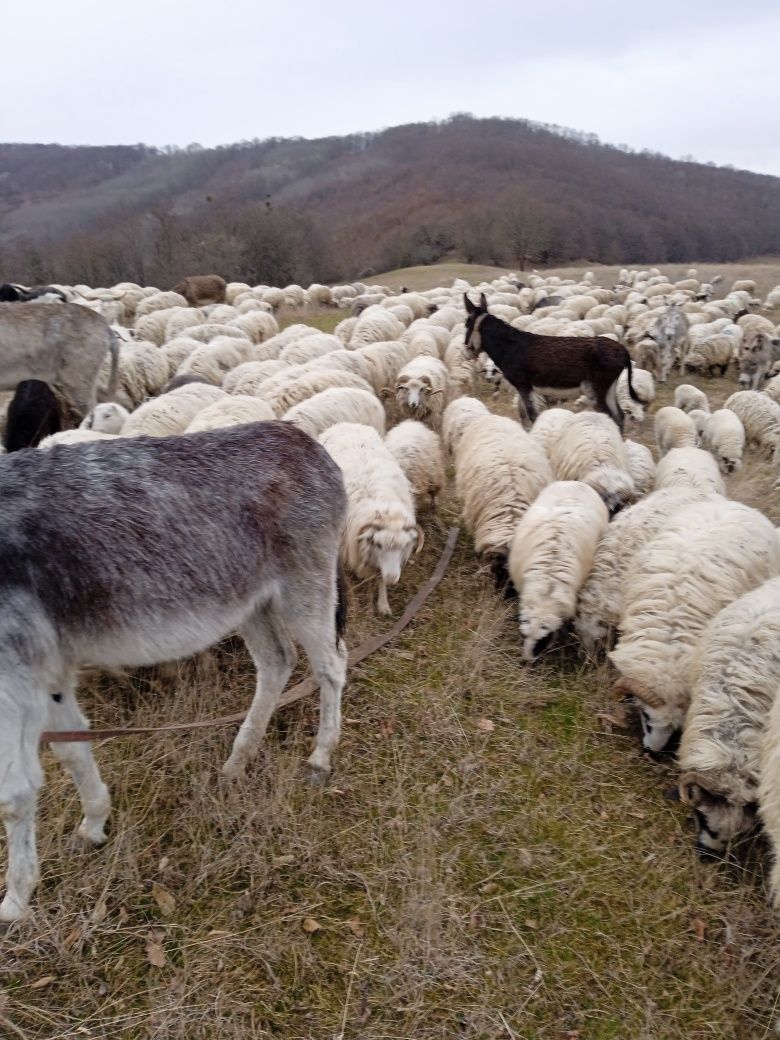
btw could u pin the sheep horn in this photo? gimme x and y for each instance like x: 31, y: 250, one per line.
x: 705, y: 782
x: 385, y: 392
x: 420, y: 539
x: 634, y: 688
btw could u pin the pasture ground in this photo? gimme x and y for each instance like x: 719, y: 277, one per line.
x: 493, y: 860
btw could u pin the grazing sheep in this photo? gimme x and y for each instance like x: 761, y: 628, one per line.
x: 644, y: 385
x: 711, y: 355
x: 499, y: 471
x: 700, y: 419
x: 689, y: 468
x: 674, y: 429
x: 184, y: 380
x: 724, y: 438
x: 215, y: 359
x: 296, y: 384
x: 106, y: 418
x: 337, y: 404
x: 156, y: 550
x: 177, y: 351
x: 590, y: 448
x: 231, y: 410
x: 708, y: 554
x: 210, y: 330
x: 34, y: 412
x: 737, y: 676
x: 549, y: 425
x: 143, y: 372
x: 259, y: 326
x: 200, y: 289
x: 772, y: 389
x: 159, y: 301
x: 384, y: 361
x: 300, y: 351
x: 601, y: 596
x: 78, y: 436
x: 248, y: 376
x: 641, y: 466
x: 457, y: 417
x: 417, y: 450
x: 760, y: 417
x: 375, y: 325
x: 688, y: 397
x: 171, y: 413
x: 421, y: 387
x: 769, y: 794
x: 550, y: 557
x: 381, y: 531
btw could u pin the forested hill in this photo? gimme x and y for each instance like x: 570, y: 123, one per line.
x: 501, y: 191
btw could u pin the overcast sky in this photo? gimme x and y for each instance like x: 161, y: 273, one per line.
x: 682, y: 78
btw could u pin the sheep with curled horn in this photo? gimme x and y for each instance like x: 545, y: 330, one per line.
x: 529, y: 361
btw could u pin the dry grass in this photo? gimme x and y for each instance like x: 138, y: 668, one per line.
x: 527, y: 882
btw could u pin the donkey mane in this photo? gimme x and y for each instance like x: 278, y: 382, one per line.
x: 527, y: 360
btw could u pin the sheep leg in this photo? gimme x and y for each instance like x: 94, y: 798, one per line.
x: 20, y: 778
x: 64, y: 714
x: 526, y: 404
x: 274, y: 658
x: 382, y: 602
x: 316, y: 632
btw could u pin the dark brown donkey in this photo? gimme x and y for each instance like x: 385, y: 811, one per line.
x: 559, y: 362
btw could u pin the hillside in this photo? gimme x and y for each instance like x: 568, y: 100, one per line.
x: 490, y: 191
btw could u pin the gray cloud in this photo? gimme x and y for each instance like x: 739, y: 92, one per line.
x: 682, y: 79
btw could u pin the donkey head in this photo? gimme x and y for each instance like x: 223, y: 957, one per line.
x: 475, y: 315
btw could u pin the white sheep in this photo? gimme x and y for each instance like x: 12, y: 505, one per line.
x: 601, y: 596
x: 737, y: 676
x: 689, y: 467
x: 641, y: 466
x: 548, y: 426
x: 259, y: 326
x: 550, y: 557
x: 231, y: 410
x: 337, y: 404
x: 215, y: 359
x: 248, y: 376
x: 708, y: 554
x: 421, y: 387
x: 457, y: 417
x: 381, y: 530
x: 78, y: 436
x: 171, y: 413
x: 177, y: 351
x: 772, y: 389
x: 674, y: 429
x: 375, y: 325
x: 700, y: 418
x: 724, y: 438
x: 384, y: 361
x: 159, y: 301
x: 644, y: 386
x: 760, y: 416
x: 499, y: 471
x: 106, y: 418
x: 590, y: 448
x: 289, y: 388
x: 417, y: 450
x: 300, y: 351
x: 687, y: 397
x: 769, y: 793
x: 712, y: 354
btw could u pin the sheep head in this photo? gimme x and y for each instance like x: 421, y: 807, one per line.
x: 658, y: 718
x: 387, y: 543
x: 720, y: 817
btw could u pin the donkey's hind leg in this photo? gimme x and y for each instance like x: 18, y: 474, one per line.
x: 313, y: 624
x: 64, y: 714
x: 526, y: 406
x: 274, y: 658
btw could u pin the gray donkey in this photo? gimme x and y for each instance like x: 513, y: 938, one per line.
x: 138, y: 551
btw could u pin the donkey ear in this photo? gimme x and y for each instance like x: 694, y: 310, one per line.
x: 470, y: 308
x: 483, y: 302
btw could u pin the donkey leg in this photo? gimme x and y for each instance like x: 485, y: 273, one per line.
x: 315, y: 629
x: 64, y: 714
x: 526, y: 405
x: 24, y: 715
x: 274, y: 657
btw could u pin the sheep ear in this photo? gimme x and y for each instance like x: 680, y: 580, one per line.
x: 365, y: 532
x: 470, y: 308
x: 483, y: 302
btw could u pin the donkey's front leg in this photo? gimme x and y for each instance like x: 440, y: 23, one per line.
x: 526, y: 405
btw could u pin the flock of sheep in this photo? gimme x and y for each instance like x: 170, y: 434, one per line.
x: 648, y: 559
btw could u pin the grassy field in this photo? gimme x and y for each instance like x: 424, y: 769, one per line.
x: 493, y: 860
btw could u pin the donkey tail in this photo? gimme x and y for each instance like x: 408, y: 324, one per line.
x: 632, y: 392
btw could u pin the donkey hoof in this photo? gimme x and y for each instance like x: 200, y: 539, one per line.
x: 316, y: 776
x: 91, y: 834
